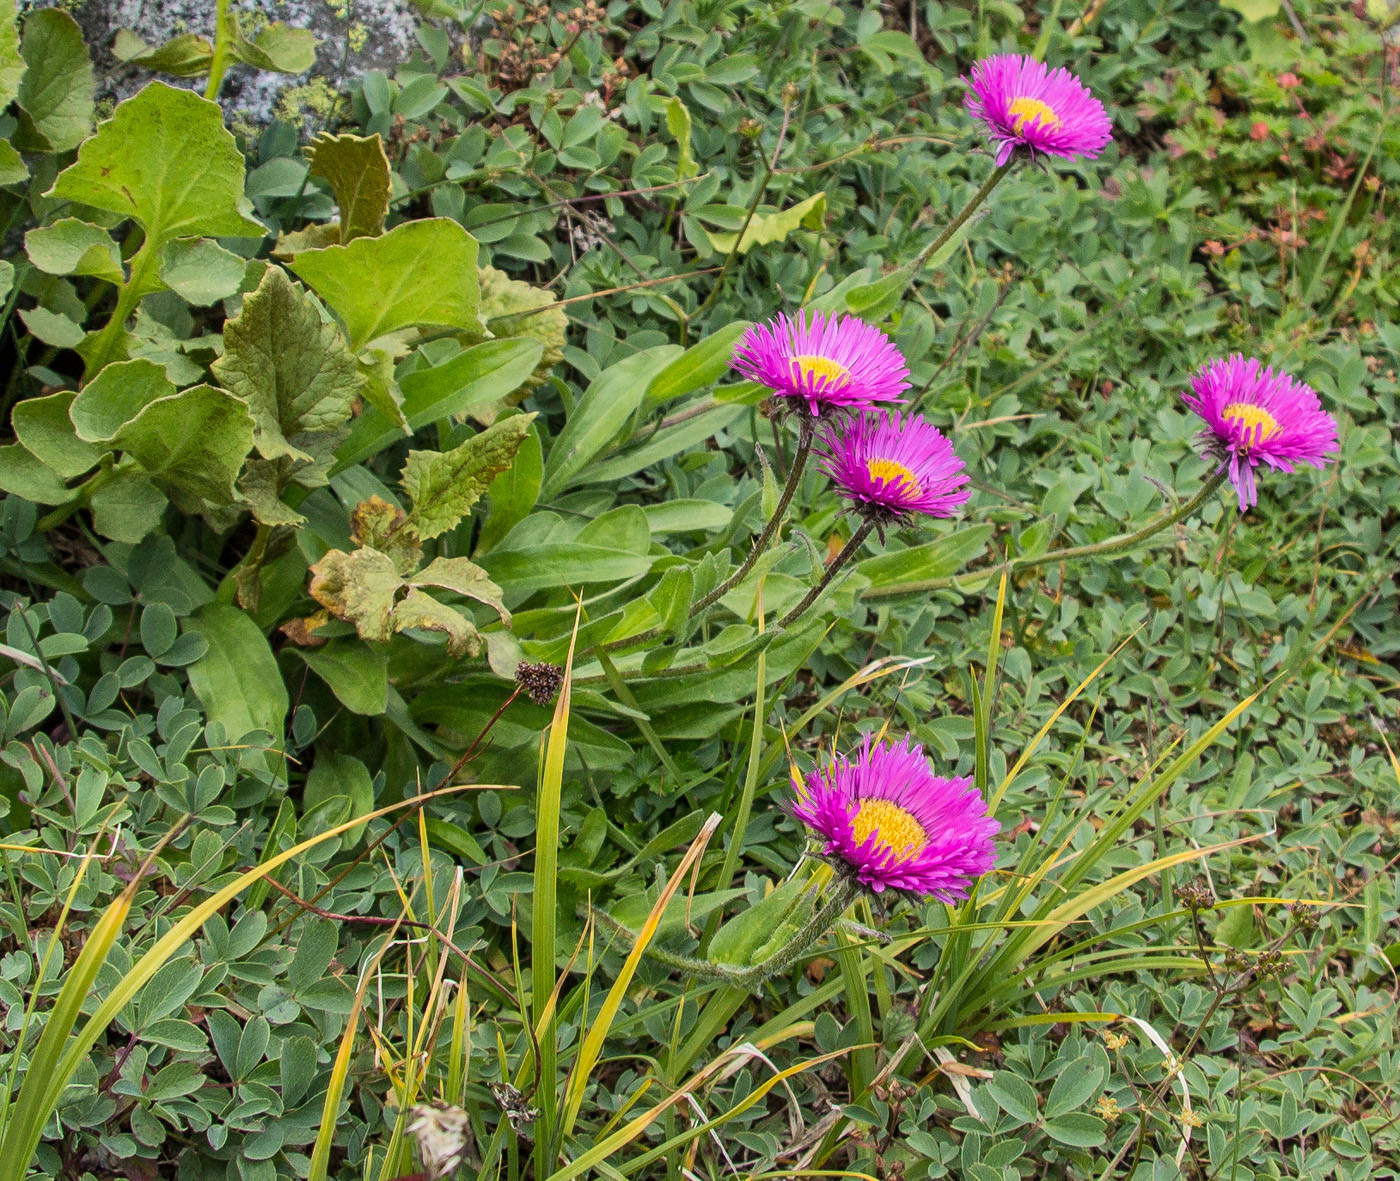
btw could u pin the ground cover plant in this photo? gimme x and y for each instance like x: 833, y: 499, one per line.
x: 705, y: 590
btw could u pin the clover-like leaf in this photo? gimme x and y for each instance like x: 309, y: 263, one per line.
x: 357, y: 170
x: 165, y: 160
x: 74, y: 247
x: 444, y: 485
x: 291, y: 368
x: 421, y: 273
x: 55, y: 93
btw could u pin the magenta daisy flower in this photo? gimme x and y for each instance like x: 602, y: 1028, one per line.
x: 1255, y: 415
x: 892, y: 467
x: 1025, y: 105
x: 824, y: 363
x: 888, y: 821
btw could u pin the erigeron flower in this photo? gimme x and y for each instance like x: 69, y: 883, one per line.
x: 824, y: 364
x: 890, y: 823
x: 1253, y: 415
x: 1025, y: 105
x: 891, y: 467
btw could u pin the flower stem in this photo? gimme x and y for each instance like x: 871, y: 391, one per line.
x: 1113, y: 545
x: 967, y: 211
x: 799, y: 462
x: 223, y: 38
x: 847, y: 552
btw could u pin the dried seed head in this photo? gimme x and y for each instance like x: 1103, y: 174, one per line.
x: 540, y: 681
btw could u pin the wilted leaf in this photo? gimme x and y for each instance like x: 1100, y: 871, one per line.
x: 165, y: 160
x: 773, y: 227
x: 419, y: 273
x: 464, y: 577
x: 419, y: 610
x: 260, y: 488
x: 185, y: 56
x: 443, y: 485
x: 357, y: 170
x: 201, y: 272
x: 678, y: 124
x: 74, y: 247
x: 291, y: 368
x: 55, y: 91
x: 377, y: 523
x: 511, y: 307
x: 359, y: 587
x: 312, y: 237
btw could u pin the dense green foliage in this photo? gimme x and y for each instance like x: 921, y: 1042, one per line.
x: 315, y: 433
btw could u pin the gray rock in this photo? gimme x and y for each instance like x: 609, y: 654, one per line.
x: 354, y: 37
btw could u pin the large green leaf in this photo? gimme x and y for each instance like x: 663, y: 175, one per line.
x: 42, y: 425
x: 186, y: 56
x: 24, y: 474
x: 700, y: 365
x: 357, y: 171
x: 357, y: 674
x: 932, y: 559
x: 201, y: 272
x: 165, y: 160
x: 11, y: 61
x: 421, y: 273
x: 464, y: 578
x: 278, y: 47
x: 773, y: 227
x: 127, y: 507
x: 601, y: 414
x: 292, y: 369
x: 513, y: 493
x: 194, y: 442
x: 74, y: 247
x: 443, y: 485
x: 115, y: 396
x: 237, y: 679
x: 55, y: 92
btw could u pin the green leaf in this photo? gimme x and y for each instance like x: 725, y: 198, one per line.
x: 335, y: 775
x: 933, y: 559
x: 465, y: 578
x: 1078, y: 1130
x: 357, y: 171
x: 165, y: 160
x: 7, y: 278
x: 565, y: 564
x: 127, y: 507
x: 600, y: 415
x: 700, y: 365
x: 1254, y: 10
x: 1074, y: 1086
x: 278, y: 47
x: 357, y: 674
x: 678, y: 124
x: 292, y: 369
x: 11, y: 61
x: 421, y: 273
x: 42, y: 425
x: 260, y: 486
x: 775, y: 916
x: 237, y: 679
x: 115, y: 396
x: 201, y: 272
x: 74, y: 247
x: 764, y: 228
x: 444, y: 485
x: 513, y: 493
x: 13, y: 169
x: 53, y: 329
x: 55, y: 92
x: 484, y: 373
x: 1014, y: 1096
x: 185, y: 56
x: 23, y: 474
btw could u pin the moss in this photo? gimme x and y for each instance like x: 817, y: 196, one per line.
x: 314, y: 101
x: 357, y: 36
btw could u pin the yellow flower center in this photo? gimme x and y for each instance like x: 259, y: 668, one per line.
x: 893, y: 473
x: 1250, y: 416
x: 892, y: 825
x: 1028, y: 110
x: 830, y: 372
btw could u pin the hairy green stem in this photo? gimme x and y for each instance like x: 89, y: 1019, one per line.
x: 929, y: 251
x: 224, y: 27
x: 799, y: 462
x: 833, y: 567
x: 1113, y: 545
